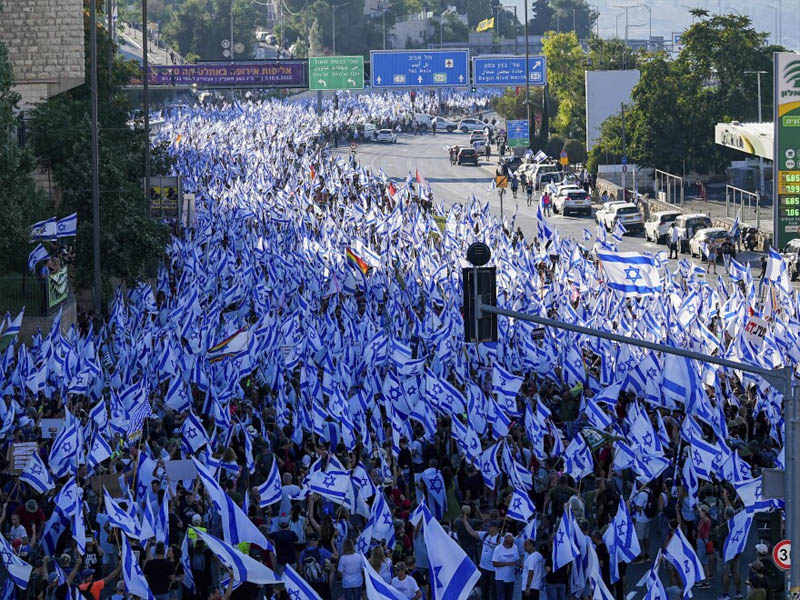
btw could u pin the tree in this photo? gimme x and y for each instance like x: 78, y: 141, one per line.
x: 577, y: 12
x: 565, y: 68
x: 542, y: 18
x: 131, y: 244
x: 610, y: 55
x: 511, y: 105
x: 22, y: 203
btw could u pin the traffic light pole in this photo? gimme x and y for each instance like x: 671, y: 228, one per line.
x: 780, y: 379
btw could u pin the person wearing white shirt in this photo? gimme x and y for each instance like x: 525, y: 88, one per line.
x: 404, y: 584
x: 491, y: 540
x: 505, y: 559
x: 533, y: 571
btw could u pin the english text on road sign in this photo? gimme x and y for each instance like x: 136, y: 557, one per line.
x: 782, y: 553
x: 419, y: 68
x: 508, y: 70
x: 336, y: 73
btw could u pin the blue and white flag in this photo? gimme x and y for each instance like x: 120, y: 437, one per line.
x: 520, y: 507
x: 44, y: 231
x: 135, y: 581
x: 18, y: 570
x: 777, y: 272
x: 244, y: 568
x: 437, y: 494
x: 270, y: 491
x: 738, y: 532
x: 193, y: 432
x: 631, y: 273
x: 36, y: 475
x: 297, y: 587
x: 454, y: 574
x: 565, y: 547
x: 100, y: 450
x: 621, y: 541
x: 382, y: 521
x: 680, y: 553
x: 188, y: 576
x: 68, y: 226
x: 750, y: 492
x: 120, y: 518
x: 236, y: 526
x: 333, y: 484
x: 36, y: 256
x: 377, y: 588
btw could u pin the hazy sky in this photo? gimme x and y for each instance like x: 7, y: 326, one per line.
x: 672, y: 16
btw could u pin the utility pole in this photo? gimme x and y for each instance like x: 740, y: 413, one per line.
x: 333, y: 13
x: 111, y: 41
x: 146, y: 99
x: 624, y: 57
x: 760, y: 158
x: 231, y: 34
x: 98, y: 302
x: 527, y: 79
x: 624, y: 155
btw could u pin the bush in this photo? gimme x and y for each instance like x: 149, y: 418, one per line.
x: 576, y: 151
x: 554, y: 146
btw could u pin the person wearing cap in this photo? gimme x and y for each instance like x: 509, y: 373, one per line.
x: 315, y: 566
x: 197, y: 522
x: 491, y: 539
x: 404, y: 584
x: 284, y: 540
x: 29, y: 515
x: 92, y: 587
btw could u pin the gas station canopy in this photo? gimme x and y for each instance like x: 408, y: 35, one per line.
x: 756, y: 139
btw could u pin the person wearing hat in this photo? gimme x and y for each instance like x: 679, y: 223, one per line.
x: 29, y: 515
x: 92, y: 587
x: 284, y: 540
x: 491, y: 539
x: 404, y: 584
x: 315, y: 566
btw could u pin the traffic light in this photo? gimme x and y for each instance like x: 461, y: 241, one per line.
x: 486, y: 330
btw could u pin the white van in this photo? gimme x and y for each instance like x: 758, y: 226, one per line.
x: 423, y: 120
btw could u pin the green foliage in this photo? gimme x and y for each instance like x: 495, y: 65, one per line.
x: 554, y: 146
x: 131, y: 244
x: 565, y: 66
x: 22, y: 203
x: 576, y: 151
x: 541, y: 18
x: 567, y: 12
x: 199, y: 26
x: 610, y: 55
x: 511, y: 105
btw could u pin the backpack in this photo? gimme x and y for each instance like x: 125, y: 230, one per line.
x: 312, y: 570
x: 651, y: 508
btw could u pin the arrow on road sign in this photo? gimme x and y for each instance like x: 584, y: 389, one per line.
x: 322, y: 82
x: 461, y: 78
x: 351, y: 82
x: 378, y: 79
x: 419, y: 78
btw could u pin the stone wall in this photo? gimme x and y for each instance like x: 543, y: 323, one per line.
x: 45, y: 44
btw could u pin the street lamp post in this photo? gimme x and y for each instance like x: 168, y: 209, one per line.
x: 616, y: 25
x: 527, y: 79
x: 597, y: 20
x: 333, y: 13
x: 516, y: 41
x: 382, y: 8
x: 760, y: 158
x: 650, y: 20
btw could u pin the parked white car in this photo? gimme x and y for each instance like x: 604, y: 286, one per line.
x: 706, y: 237
x: 572, y: 199
x: 443, y: 124
x: 386, y: 135
x: 624, y: 212
x: 467, y: 125
x: 657, y: 228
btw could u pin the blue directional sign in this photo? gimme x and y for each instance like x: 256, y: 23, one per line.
x: 508, y: 70
x: 518, y: 133
x: 419, y: 68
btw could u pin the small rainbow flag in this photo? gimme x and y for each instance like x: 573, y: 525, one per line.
x: 356, y: 262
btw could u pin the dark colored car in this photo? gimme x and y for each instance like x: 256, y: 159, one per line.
x: 512, y: 162
x: 467, y: 156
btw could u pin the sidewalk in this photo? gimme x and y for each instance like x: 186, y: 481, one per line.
x: 716, y: 210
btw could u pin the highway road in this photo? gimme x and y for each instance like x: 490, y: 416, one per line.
x: 454, y: 184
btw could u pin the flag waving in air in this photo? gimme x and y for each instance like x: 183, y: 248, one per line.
x: 356, y: 261
x: 631, y: 273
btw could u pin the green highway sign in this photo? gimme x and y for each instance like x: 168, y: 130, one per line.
x: 336, y: 73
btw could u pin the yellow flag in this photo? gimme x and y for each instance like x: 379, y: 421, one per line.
x: 485, y: 25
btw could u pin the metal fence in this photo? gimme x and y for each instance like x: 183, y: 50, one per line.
x: 738, y: 199
x: 668, y: 187
x: 39, y: 296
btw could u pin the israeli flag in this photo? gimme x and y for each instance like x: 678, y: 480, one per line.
x: 565, y: 548
x: 39, y: 254
x: 18, y: 570
x: 683, y: 557
x: 631, y: 273
x: 738, y: 532
x: 134, y: 578
x: 44, y: 231
x: 521, y: 508
x: 193, y: 432
x: 244, y: 568
x: 377, y: 588
x: 297, y: 587
x: 333, y: 485
x: 453, y: 573
x: 271, y: 490
x: 68, y: 226
x: 120, y: 518
x: 776, y: 271
x: 506, y: 386
x: 36, y: 475
x: 188, y: 576
x: 750, y: 492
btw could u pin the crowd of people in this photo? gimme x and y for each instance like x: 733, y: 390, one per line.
x: 290, y: 409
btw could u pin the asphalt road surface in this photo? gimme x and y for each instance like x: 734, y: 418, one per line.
x: 454, y: 184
